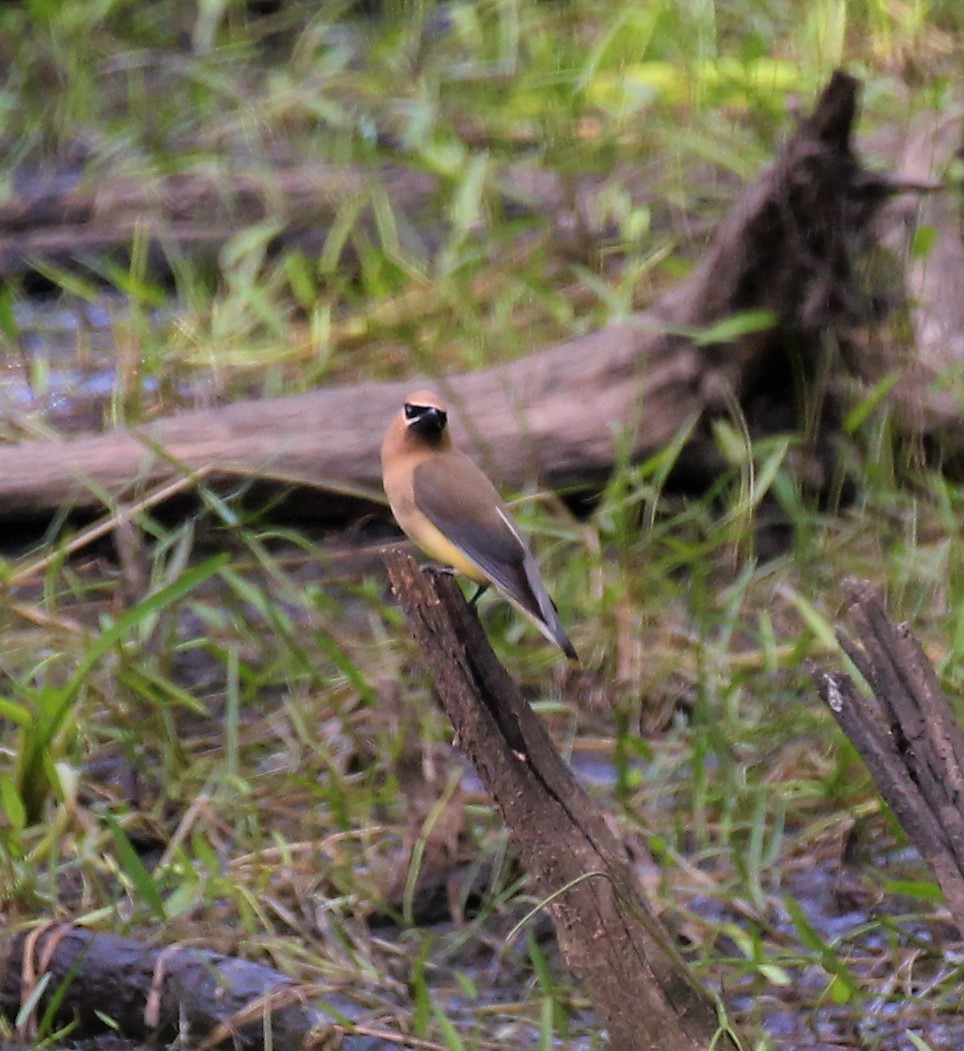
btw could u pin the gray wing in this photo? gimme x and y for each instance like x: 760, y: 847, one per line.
x: 459, y: 500
x: 463, y: 504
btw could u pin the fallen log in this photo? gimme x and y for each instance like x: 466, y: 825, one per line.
x: 908, y: 737
x: 62, y: 223
x: 786, y: 249
x: 157, y: 993
x: 644, y: 996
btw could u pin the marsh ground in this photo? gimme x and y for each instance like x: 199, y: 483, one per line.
x: 259, y: 729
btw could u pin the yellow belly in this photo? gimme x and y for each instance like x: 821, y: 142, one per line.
x: 436, y: 545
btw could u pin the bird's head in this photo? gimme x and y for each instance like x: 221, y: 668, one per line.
x: 425, y: 415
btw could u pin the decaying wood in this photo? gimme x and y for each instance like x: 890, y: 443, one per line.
x: 907, y: 736
x: 643, y: 993
x: 193, y: 214
x: 921, y: 338
x: 554, y: 416
x: 159, y: 993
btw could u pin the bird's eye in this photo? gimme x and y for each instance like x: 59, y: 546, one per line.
x: 411, y: 411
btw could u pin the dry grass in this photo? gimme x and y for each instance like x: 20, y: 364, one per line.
x: 258, y: 735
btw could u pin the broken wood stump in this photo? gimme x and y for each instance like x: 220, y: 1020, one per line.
x: 644, y: 995
x: 907, y: 735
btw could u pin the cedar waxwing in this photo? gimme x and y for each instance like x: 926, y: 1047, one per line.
x: 448, y: 507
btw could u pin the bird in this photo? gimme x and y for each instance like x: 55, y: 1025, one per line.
x: 447, y: 506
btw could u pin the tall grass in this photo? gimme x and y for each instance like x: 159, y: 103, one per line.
x: 218, y: 729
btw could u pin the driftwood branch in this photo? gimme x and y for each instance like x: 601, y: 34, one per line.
x: 159, y: 993
x: 907, y: 736
x: 785, y: 248
x: 643, y: 993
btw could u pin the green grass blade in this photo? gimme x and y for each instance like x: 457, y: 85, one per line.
x: 135, y: 870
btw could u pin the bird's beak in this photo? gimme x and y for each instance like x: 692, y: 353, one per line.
x: 430, y: 420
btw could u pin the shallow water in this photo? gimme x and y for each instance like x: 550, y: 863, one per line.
x: 65, y: 364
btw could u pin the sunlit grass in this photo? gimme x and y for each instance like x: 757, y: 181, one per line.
x: 468, y: 92
x: 245, y: 751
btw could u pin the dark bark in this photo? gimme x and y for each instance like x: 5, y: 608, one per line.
x: 157, y: 993
x: 786, y: 248
x: 643, y: 992
x: 907, y: 736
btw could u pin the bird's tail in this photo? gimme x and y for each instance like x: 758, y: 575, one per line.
x: 545, y: 616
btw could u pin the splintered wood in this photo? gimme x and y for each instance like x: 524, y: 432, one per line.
x: 907, y: 735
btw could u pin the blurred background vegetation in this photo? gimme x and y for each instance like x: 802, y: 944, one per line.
x: 215, y: 727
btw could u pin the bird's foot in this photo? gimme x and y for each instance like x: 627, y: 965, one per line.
x: 479, y: 592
